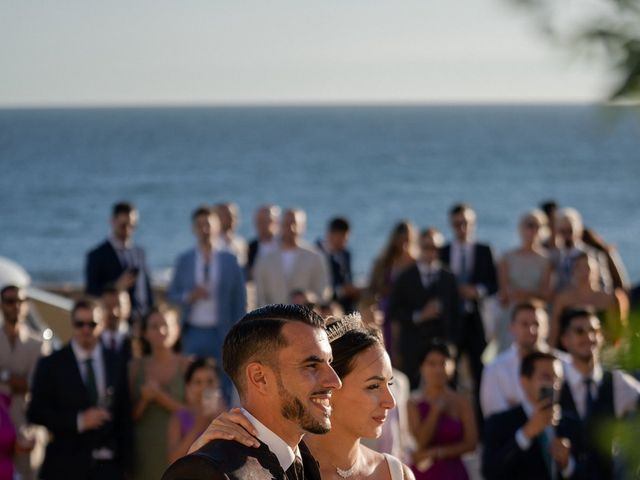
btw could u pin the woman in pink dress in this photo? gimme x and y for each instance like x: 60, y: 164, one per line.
x: 7, y: 439
x: 441, y: 419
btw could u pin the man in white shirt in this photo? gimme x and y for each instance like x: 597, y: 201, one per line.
x: 229, y: 239
x: 20, y: 349
x: 500, y: 388
x: 80, y: 393
x: 279, y: 359
x: 293, y: 266
x: 209, y: 286
x: 591, y: 394
x: 265, y: 220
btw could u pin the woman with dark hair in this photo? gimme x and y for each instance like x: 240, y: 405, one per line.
x: 441, y: 419
x: 203, y: 400
x: 359, y: 409
x: 157, y: 390
x: 398, y: 254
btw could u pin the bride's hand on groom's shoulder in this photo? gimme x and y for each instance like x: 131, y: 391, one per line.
x: 231, y: 425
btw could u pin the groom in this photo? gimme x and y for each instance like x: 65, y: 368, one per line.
x: 279, y: 360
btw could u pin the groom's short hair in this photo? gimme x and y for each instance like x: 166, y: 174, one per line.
x: 258, y: 337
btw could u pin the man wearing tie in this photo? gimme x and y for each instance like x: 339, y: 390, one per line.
x: 423, y: 305
x: 117, y: 261
x: 591, y: 395
x: 80, y: 394
x: 116, y: 335
x: 279, y: 359
x: 474, y: 268
x: 522, y: 442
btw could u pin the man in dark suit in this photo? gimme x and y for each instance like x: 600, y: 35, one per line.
x: 338, y: 257
x: 119, y: 262
x: 522, y: 442
x: 116, y: 335
x: 278, y: 358
x: 474, y: 268
x: 266, y: 221
x: 423, y: 305
x: 80, y: 394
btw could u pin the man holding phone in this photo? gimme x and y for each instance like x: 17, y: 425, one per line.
x: 531, y: 441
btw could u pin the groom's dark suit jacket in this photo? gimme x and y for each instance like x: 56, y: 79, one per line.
x: 227, y: 459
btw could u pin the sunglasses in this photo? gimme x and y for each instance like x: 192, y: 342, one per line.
x: 460, y: 223
x: 584, y: 331
x: 14, y: 301
x: 532, y: 226
x: 79, y: 324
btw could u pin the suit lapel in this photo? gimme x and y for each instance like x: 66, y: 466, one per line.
x: 110, y: 363
x: 311, y: 467
x: 115, y: 259
x: 75, y: 377
x: 190, y: 269
x: 445, y: 255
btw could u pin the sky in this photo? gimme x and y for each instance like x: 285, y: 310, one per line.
x: 143, y: 52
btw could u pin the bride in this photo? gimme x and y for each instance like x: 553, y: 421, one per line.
x: 359, y: 409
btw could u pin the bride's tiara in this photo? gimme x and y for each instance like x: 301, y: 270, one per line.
x: 338, y: 327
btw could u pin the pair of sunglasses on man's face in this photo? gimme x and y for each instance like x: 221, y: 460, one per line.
x: 81, y: 324
x: 14, y: 301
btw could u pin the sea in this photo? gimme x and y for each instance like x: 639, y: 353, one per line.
x: 62, y: 169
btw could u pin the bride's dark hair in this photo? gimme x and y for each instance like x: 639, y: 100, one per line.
x: 356, y: 338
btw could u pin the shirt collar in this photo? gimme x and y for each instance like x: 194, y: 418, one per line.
x: 119, y: 334
x: 118, y: 245
x: 426, y: 268
x: 82, y: 355
x: 574, y: 377
x: 212, y: 254
x: 526, y: 406
x: 279, y: 447
x: 466, y: 245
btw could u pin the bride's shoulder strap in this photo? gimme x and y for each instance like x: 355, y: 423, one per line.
x: 395, y: 467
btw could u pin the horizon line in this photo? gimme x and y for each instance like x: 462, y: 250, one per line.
x: 310, y: 103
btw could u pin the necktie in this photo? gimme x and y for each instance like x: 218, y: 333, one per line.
x: 90, y: 382
x: 543, y: 440
x: 588, y: 396
x: 296, y: 470
x: 426, y: 279
x: 206, y: 273
x: 113, y: 344
x: 126, y: 258
x: 462, y: 275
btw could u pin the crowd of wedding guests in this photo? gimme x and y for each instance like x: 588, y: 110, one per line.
x: 512, y: 358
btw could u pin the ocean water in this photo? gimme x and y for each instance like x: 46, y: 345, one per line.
x: 61, y: 169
